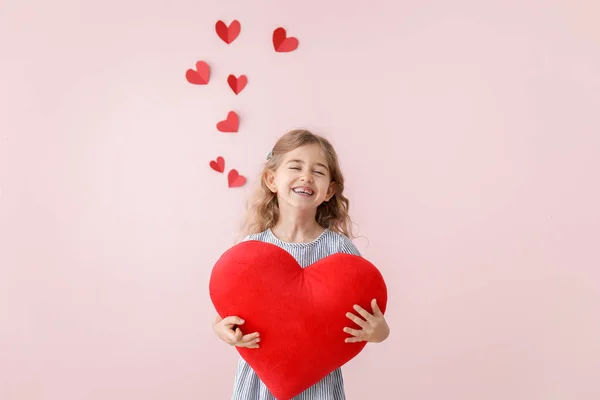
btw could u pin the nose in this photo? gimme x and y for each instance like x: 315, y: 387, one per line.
x: 306, y: 177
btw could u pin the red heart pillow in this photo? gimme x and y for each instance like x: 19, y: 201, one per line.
x: 299, y: 313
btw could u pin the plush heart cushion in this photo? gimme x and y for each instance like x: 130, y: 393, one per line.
x: 299, y: 313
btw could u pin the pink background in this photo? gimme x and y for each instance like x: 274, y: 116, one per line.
x: 468, y: 132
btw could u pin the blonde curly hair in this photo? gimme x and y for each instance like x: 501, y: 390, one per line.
x: 263, y: 208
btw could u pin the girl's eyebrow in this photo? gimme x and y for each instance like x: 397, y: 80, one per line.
x: 302, y: 162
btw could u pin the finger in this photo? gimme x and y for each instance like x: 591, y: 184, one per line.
x: 358, y: 321
x: 376, y: 309
x: 364, y: 313
x: 231, y: 339
x: 250, y: 343
x: 249, y: 337
x: 233, y: 320
x: 238, y: 334
x: 250, y: 346
x: 353, y: 332
x: 354, y: 340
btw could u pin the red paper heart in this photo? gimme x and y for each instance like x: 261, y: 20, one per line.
x: 282, y: 43
x: 228, y: 33
x: 299, y: 313
x: 235, y: 179
x: 200, y: 76
x: 237, y: 84
x: 219, y: 165
x: 231, y: 124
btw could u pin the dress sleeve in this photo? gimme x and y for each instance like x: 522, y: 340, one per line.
x: 349, y: 247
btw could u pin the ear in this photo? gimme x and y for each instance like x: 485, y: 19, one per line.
x: 269, y: 178
x: 330, y: 191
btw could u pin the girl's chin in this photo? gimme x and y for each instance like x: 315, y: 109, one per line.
x: 302, y: 206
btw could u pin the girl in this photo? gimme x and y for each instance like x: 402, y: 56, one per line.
x: 300, y: 207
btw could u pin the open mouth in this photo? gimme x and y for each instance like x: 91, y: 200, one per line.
x: 303, y: 190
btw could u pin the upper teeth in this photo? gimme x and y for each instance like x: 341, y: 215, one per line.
x: 300, y: 190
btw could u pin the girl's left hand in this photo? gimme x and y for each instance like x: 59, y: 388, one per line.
x: 374, y: 328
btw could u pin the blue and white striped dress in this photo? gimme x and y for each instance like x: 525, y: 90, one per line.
x: 248, y: 385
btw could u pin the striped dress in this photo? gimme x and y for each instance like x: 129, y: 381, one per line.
x: 248, y: 385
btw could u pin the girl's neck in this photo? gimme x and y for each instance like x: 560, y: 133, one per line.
x: 297, y: 230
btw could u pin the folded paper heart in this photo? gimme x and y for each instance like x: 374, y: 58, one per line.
x: 228, y: 33
x: 282, y: 43
x: 231, y: 124
x: 218, y: 165
x: 199, y: 76
x: 299, y: 313
x: 234, y: 179
x: 237, y: 84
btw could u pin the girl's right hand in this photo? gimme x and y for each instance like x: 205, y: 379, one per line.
x: 224, y: 329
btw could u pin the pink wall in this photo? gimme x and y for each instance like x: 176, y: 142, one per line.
x: 468, y: 132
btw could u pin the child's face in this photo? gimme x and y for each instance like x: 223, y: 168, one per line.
x: 303, y: 179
